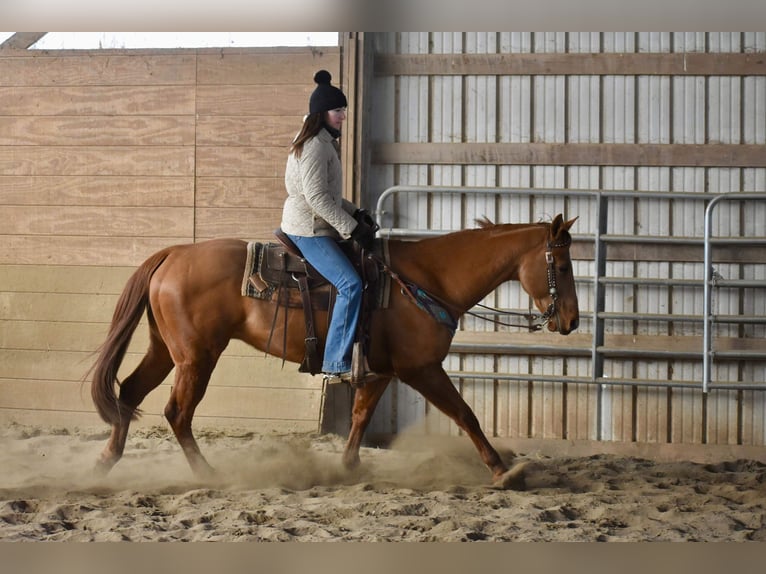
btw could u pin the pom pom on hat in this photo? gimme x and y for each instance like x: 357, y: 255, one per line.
x: 322, y: 77
x: 325, y: 96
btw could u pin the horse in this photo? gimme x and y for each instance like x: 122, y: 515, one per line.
x: 192, y: 296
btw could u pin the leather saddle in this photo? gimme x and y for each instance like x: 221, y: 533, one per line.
x: 293, y: 282
x: 282, y: 267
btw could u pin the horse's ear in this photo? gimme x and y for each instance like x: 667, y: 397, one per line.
x: 569, y: 223
x: 558, y: 225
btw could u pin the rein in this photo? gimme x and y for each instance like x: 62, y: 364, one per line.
x: 530, y: 317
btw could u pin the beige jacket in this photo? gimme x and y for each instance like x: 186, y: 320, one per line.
x: 314, y: 183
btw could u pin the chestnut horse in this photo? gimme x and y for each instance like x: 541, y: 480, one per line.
x: 192, y: 295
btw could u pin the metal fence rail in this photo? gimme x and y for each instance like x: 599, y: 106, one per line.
x: 387, y: 216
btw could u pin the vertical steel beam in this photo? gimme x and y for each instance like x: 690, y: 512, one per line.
x: 599, y: 301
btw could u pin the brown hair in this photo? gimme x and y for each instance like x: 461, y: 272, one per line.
x: 311, y: 126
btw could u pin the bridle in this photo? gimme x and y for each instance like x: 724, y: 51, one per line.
x: 553, y: 291
x: 535, y: 321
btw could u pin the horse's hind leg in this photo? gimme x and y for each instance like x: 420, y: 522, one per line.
x: 188, y: 390
x: 365, y: 400
x: 152, y: 370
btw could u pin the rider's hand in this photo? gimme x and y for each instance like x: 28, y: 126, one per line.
x: 362, y: 215
x: 364, y: 235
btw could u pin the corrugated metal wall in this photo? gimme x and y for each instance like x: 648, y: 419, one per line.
x: 420, y: 97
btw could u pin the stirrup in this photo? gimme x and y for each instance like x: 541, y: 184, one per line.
x: 360, y: 369
x: 350, y: 378
x: 336, y: 378
x: 359, y: 374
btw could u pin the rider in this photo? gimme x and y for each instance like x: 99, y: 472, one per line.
x: 316, y: 216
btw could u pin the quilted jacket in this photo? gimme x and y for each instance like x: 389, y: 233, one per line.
x: 314, y: 183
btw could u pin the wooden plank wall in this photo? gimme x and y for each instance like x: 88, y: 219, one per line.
x: 108, y: 156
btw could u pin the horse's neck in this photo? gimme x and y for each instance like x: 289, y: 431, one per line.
x: 463, y: 267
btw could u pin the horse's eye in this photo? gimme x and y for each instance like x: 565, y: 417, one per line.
x: 564, y: 269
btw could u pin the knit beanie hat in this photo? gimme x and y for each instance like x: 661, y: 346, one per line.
x: 325, y: 96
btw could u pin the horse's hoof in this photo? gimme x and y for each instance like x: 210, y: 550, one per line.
x: 102, y: 467
x: 207, y: 474
x: 512, y: 479
x: 351, y: 463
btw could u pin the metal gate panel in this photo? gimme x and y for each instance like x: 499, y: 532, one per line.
x: 661, y: 406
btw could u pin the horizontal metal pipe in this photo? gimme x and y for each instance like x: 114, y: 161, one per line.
x: 494, y: 348
x: 575, y: 351
x: 697, y: 283
x: 679, y: 240
x: 615, y: 316
x: 636, y: 239
x: 722, y: 319
x: 548, y: 192
x: 603, y: 381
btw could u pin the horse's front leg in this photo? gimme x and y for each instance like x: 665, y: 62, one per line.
x: 437, y: 388
x: 365, y: 400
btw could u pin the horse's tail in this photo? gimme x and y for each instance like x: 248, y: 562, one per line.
x: 127, y: 314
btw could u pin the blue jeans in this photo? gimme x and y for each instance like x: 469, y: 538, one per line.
x: 325, y: 255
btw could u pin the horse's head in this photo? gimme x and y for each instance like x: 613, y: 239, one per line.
x: 546, y: 274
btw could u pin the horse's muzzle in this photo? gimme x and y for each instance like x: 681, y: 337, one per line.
x: 573, y: 324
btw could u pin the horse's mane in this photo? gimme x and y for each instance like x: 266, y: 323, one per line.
x: 485, y: 222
